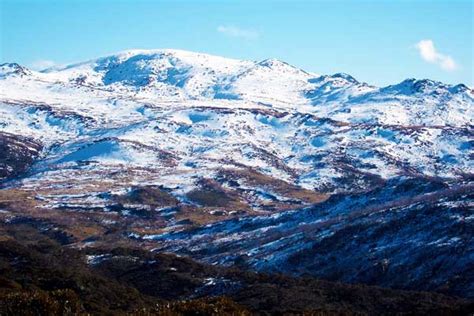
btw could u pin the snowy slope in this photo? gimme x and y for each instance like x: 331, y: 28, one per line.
x: 315, y: 131
x: 222, y: 139
x: 128, y: 95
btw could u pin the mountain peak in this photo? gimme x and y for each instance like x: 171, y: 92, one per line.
x: 145, y: 56
x: 7, y: 69
x: 274, y: 63
x: 412, y: 86
x: 460, y: 88
x: 345, y: 76
x: 337, y: 79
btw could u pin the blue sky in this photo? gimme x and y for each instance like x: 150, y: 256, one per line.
x: 380, y: 42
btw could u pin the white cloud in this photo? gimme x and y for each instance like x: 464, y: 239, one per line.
x: 234, y: 31
x: 42, y: 64
x: 429, y: 53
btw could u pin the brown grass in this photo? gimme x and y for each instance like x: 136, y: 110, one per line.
x: 254, y: 178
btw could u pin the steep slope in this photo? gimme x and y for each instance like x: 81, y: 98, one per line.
x: 18, y: 154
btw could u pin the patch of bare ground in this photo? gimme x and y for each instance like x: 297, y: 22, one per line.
x: 257, y: 179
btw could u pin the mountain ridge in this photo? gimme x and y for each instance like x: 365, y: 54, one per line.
x: 126, y: 54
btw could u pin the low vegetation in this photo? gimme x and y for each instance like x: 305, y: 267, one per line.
x: 41, y: 276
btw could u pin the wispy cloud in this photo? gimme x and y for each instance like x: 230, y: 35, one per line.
x: 42, y: 64
x: 428, y: 52
x: 234, y: 31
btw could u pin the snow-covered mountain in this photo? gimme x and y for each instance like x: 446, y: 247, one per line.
x: 192, y: 140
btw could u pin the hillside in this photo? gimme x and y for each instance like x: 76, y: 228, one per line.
x: 251, y: 164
